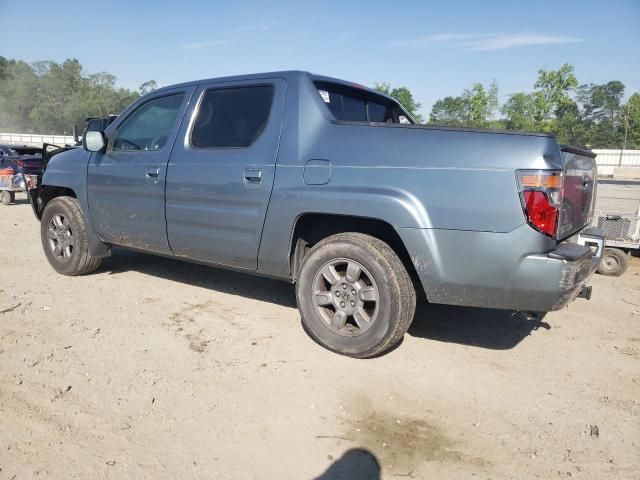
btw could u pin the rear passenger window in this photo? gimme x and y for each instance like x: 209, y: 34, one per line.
x: 232, y: 117
x: 357, y: 105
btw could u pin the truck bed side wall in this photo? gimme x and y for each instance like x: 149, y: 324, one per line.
x: 456, y: 189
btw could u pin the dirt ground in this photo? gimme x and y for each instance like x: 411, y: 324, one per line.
x: 156, y: 369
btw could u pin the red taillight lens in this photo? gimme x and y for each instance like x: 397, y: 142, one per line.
x: 540, y: 213
x: 541, y: 192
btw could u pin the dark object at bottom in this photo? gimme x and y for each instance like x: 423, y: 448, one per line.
x: 585, y: 293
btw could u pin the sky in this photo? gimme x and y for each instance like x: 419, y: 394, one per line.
x: 435, y: 48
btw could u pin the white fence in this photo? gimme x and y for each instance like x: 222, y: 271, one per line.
x: 35, y: 140
x: 609, y: 159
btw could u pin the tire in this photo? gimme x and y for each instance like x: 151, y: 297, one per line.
x: 614, y: 262
x: 63, y: 226
x: 7, y: 198
x: 339, y: 279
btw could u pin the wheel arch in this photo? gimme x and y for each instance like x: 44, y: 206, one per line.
x: 46, y: 193
x: 311, y: 227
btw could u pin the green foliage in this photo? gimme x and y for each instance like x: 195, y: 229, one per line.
x: 632, y: 121
x: 481, y: 104
x: 519, y: 110
x: 147, y: 87
x: 551, y: 93
x: 474, y: 108
x: 4, y: 65
x: 46, y: 97
x: 404, y: 96
x: 449, y: 111
x: 588, y: 115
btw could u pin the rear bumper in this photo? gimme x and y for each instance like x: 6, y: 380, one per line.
x: 555, y: 279
x: 503, y: 270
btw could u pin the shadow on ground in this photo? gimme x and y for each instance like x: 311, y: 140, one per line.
x: 485, y: 328
x: 19, y: 201
x: 478, y: 327
x: 355, y: 464
x: 221, y: 280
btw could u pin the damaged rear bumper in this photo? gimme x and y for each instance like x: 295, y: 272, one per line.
x: 566, y: 269
x: 503, y: 270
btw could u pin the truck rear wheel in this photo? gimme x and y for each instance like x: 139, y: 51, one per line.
x: 7, y: 197
x: 354, y: 295
x: 64, y: 238
x: 614, y: 262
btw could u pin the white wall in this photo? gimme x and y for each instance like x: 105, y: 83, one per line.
x: 35, y: 140
x: 609, y: 159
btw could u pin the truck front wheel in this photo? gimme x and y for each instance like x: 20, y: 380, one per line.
x: 63, y: 232
x: 355, y: 295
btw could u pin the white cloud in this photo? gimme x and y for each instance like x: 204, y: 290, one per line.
x: 233, y: 33
x: 483, y: 41
x: 262, y: 26
x: 205, y: 44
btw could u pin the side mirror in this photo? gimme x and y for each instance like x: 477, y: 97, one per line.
x: 94, y: 141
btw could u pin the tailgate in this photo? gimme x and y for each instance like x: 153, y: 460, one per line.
x: 579, y: 190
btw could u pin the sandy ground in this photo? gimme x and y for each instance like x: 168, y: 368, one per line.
x: 156, y: 369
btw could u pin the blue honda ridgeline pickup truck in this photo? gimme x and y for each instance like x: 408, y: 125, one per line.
x: 332, y: 186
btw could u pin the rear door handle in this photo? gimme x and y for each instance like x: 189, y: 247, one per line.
x: 253, y: 176
x: 152, y: 174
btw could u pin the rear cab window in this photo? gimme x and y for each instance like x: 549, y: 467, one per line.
x: 352, y: 104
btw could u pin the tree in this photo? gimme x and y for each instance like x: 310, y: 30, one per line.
x: 481, y: 104
x: 519, y: 110
x: 148, y: 86
x: 632, y: 121
x: 50, y: 97
x: 474, y: 108
x: 602, y: 112
x: 4, y: 66
x: 449, y: 111
x: 552, y: 92
x: 404, y: 96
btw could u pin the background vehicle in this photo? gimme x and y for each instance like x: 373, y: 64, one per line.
x: 618, y: 214
x: 330, y: 185
x: 18, y: 164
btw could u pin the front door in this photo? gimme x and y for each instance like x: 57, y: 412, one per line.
x: 126, y: 183
x: 221, y: 171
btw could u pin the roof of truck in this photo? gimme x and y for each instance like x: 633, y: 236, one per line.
x: 286, y: 74
x: 289, y: 74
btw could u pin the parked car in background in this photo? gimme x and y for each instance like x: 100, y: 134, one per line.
x: 332, y: 186
x: 18, y: 163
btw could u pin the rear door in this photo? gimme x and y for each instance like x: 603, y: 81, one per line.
x: 221, y: 171
x: 125, y: 184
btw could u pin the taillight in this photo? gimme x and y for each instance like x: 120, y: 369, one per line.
x: 541, y: 196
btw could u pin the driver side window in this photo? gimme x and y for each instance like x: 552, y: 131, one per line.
x: 150, y: 126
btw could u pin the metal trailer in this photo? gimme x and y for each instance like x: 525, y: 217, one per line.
x: 12, y: 182
x: 617, y: 212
